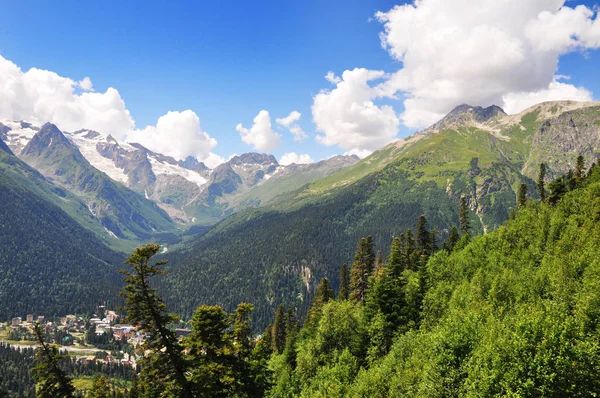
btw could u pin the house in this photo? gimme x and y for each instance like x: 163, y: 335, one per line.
x: 16, y: 321
x: 29, y: 318
x: 182, y: 332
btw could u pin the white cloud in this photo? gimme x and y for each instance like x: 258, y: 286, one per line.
x: 481, y: 52
x: 260, y: 136
x: 347, y: 116
x: 293, y: 157
x: 86, y: 84
x: 516, y: 102
x: 177, y: 134
x: 290, y: 123
x: 39, y: 96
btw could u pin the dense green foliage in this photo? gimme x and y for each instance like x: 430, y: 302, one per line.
x: 49, y: 263
x: 513, y: 313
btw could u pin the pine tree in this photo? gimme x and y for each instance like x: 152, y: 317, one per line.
x: 423, y: 238
x: 463, y: 216
x: 452, y: 240
x: 579, y: 172
x: 522, y: 196
x: 410, y: 251
x: 146, y: 309
x: 51, y: 380
x: 278, y: 330
x: 212, y: 353
x: 344, y: 283
x: 378, y: 268
x: 323, y: 294
x: 541, y: 181
x: 362, y: 267
x: 242, y: 330
x: 556, y: 190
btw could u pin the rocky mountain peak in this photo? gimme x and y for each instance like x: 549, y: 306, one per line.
x: 465, y: 114
x: 191, y: 163
x: 48, y: 136
x: 253, y: 158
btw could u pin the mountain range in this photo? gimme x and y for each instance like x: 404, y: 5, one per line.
x: 279, y: 229
x: 136, y: 194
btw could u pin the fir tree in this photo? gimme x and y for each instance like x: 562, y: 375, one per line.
x: 211, y: 353
x: 362, y: 267
x: 146, y: 309
x: 522, y: 196
x: 556, y: 190
x: 51, y: 380
x: 410, y: 251
x: 541, y: 181
x: 278, y: 330
x: 452, y: 240
x: 463, y: 216
x: 242, y: 330
x: 323, y: 294
x: 423, y: 238
x: 344, y: 283
x: 378, y: 268
x: 579, y: 171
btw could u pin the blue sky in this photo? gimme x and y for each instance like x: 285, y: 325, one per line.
x: 226, y: 61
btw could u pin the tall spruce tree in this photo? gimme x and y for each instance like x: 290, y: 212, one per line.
x: 463, y: 216
x: 361, y: 270
x: 211, y: 353
x: 344, y: 289
x: 541, y: 181
x: 522, y: 196
x: 278, y: 330
x: 579, y: 172
x: 323, y: 294
x: 51, y: 380
x: 452, y: 240
x: 378, y: 268
x: 424, y: 238
x: 165, y: 366
x: 410, y: 250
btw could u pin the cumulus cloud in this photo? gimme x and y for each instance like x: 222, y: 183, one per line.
x: 177, y: 134
x: 347, y: 115
x: 290, y: 122
x: 498, y: 52
x: 261, y: 135
x: 293, y: 157
x: 86, y: 84
x: 39, y: 96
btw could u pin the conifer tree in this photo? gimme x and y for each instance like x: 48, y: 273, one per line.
x: 378, y: 268
x: 579, y: 171
x: 278, y: 330
x: 362, y: 267
x: 344, y: 283
x: 591, y: 169
x: 291, y: 332
x: 463, y: 216
x: 541, y: 181
x: 423, y: 239
x: 211, y: 352
x: 410, y: 252
x: 242, y: 330
x: 556, y: 190
x: 522, y: 196
x: 323, y: 294
x: 146, y: 309
x: 51, y: 380
x: 452, y: 240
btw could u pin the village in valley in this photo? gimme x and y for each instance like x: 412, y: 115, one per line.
x: 99, y: 338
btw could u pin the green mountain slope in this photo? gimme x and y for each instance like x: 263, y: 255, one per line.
x: 512, y: 313
x: 49, y: 264
x: 123, y: 213
x: 278, y: 253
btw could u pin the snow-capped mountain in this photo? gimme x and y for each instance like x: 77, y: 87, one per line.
x: 186, y: 189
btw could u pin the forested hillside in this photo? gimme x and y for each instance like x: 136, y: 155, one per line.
x: 50, y: 264
x: 511, y: 313
x: 277, y: 254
